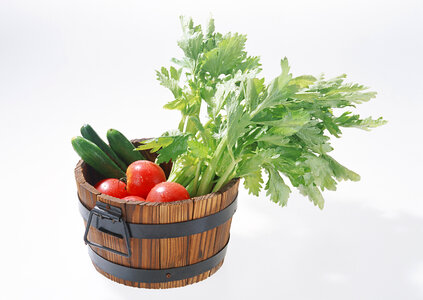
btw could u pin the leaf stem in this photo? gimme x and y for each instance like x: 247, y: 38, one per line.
x: 200, y: 129
x: 187, y: 180
x: 186, y: 118
x: 226, y: 176
x: 180, y: 175
x: 209, y: 173
x: 181, y: 125
x: 197, y: 176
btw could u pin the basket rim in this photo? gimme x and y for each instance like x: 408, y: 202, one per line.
x: 80, y: 178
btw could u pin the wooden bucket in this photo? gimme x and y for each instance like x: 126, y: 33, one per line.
x: 174, y: 259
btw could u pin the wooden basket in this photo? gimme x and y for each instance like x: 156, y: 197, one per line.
x: 163, y: 253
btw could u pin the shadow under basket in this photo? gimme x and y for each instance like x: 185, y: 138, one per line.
x: 155, y: 245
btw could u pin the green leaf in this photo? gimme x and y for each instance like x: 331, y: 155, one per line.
x: 155, y: 144
x: 368, y: 123
x: 341, y: 172
x: 331, y: 126
x: 171, y: 83
x: 224, y: 58
x: 313, y: 194
x: 351, y: 98
x: 274, y: 139
x: 320, y: 171
x: 210, y: 27
x: 223, y: 91
x: 313, y: 138
x: 175, y: 74
x: 253, y: 182
x: 250, y: 63
x: 185, y: 62
x: 237, y: 120
x: 207, y: 94
x: 228, y: 88
x: 192, y: 40
x: 276, y: 187
x: 178, y: 104
x: 171, y: 151
x: 335, y: 93
x: 348, y: 120
x: 198, y: 149
x: 347, y: 88
x: 288, y: 122
x: 278, y: 92
x: 252, y: 88
x: 253, y: 161
x: 307, y: 96
x: 285, y: 69
x: 290, y: 166
x: 303, y: 81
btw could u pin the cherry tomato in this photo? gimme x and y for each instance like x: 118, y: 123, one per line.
x: 112, y: 187
x: 133, y: 198
x: 142, y: 176
x: 167, y: 192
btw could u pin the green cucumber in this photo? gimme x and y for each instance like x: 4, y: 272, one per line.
x: 123, y: 147
x: 89, y: 133
x: 96, y: 158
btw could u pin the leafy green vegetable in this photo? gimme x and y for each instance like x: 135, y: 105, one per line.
x: 282, y: 128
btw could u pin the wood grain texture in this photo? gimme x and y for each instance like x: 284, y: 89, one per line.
x: 201, y: 245
x: 159, y: 253
x: 174, y: 251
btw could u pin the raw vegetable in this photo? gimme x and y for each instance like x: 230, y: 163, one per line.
x: 142, y: 176
x: 281, y: 127
x: 123, y: 147
x: 96, y: 158
x: 112, y: 187
x: 133, y: 198
x: 167, y: 192
x: 89, y: 133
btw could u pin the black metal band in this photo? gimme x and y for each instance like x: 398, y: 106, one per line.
x: 160, y: 231
x: 154, y: 276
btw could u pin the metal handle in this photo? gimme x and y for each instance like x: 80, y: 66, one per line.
x: 114, y: 215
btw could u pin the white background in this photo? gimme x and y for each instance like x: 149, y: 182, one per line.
x: 65, y: 63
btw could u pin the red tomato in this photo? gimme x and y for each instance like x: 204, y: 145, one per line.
x: 133, y: 198
x: 142, y: 176
x: 167, y: 192
x: 112, y: 187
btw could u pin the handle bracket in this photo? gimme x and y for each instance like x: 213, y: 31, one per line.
x: 113, y: 215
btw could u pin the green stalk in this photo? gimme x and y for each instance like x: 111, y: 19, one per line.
x: 189, y: 189
x: 226, y: 176
x: 197, y: 176
x: 205, y: 185
x: 190, y: 126
x: 187, y: 180
x: 256, y: 111
x: 200, y: 129
x: 180, y: 176
x: 186, y: 118
x: 208, y: 123
x: 173, y: 176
